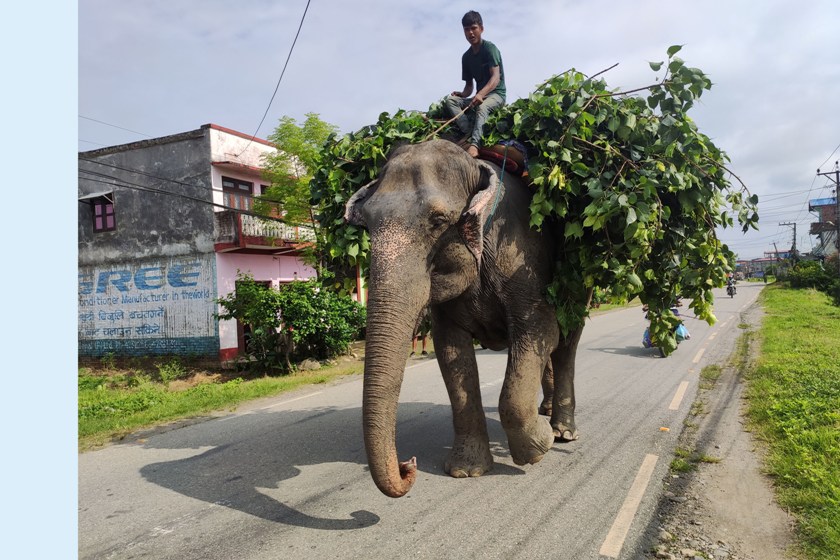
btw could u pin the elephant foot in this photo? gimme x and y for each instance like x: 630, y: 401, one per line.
x: 545, y: 409
x: 564, y: 428
x: 564, y: 434
x: 529, y: 445
x: 470, y: 456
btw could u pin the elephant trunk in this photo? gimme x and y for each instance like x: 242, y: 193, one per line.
x: 392, y: 316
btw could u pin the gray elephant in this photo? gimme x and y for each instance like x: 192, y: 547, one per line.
x: 448, y: 234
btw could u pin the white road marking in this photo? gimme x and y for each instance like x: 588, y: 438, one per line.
x: 698, y: 356
x: 292, y: 400
x: 678, y: 397
x: 618, y: 532
x: 241, y: 414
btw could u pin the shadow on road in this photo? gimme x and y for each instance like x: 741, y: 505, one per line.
x: 635, y: 351
x: 263, y: 449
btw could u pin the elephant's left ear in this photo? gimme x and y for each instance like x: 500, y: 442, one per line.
x: 471, y: 225
x: 353, y: 208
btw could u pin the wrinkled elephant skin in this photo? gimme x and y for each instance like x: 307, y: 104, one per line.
x: 448, y: 234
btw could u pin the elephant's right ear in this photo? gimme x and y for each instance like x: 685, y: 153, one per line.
x: 471, y: 225
x: 353, y: 209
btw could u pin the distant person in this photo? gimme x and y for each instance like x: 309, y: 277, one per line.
x: 421, y: 334
x: 730, y: 282
x: 482, y: 64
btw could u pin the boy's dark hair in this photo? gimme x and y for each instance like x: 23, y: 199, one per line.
x: 471, y: 18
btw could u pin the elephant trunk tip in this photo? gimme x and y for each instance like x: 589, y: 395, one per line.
x: 408, y: 468
x: 407, y: 476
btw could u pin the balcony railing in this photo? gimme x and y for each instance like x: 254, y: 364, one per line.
x: 233, y: 229
x: 257, y: 227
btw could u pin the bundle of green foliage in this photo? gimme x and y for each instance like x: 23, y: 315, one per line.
x: 319, y: 323
x: 635, y: 189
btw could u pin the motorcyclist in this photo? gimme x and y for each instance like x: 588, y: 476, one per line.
x: 730, y: 283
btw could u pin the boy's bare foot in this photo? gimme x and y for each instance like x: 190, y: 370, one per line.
x: 473, y: 151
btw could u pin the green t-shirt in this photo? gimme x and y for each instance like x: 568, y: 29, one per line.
x: 477, y: 67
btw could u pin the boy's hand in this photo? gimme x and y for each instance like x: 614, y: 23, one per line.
x: 477, y: 100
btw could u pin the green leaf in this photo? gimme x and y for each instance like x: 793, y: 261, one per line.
x: 674, y: 49
x: 635, y: 281
x: 573, y: 229
x: 655, y: 66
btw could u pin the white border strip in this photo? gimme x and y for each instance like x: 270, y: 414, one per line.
x: 678, y: 396
x: 618, y: 532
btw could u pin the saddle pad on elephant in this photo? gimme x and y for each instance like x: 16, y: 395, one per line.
x: 497, y: 156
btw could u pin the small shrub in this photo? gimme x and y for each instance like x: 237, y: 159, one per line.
x: 171, y: 370
x: 680, y: 465
x: 92, y: 382
x: 109, y: 360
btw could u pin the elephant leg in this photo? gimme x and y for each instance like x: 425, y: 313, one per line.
x: 470, y: 454
x: 548, y: 389
x: 529, y: 435
x: 563, y: 402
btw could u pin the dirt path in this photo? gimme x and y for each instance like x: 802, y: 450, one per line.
x: 722, y: 510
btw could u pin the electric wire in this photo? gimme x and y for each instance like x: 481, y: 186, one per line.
x: 168, y: 180
x: 109, y: 180
x: 115, y: 126
x: 829, y: 157
x: 277, y: 87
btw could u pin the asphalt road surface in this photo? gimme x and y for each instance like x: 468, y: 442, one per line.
x: 287, y: 477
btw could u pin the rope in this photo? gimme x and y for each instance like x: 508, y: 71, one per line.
x: 498, y: 193
x: 447, y: 123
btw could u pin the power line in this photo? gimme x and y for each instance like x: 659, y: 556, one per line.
x: 116, y: 182
x: 89, y: 142
x: 168, y: 180
x: 829, y: 157
x: 144, y: 173
x: 278, y: 80
x: 115, y: 126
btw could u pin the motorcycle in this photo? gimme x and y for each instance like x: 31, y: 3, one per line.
x: 680, y: 332
x: 730, y: 290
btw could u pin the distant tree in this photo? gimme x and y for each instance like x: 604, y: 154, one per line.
x: 290, y: 168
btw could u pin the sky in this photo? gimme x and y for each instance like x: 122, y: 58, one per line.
x: 157, y: 67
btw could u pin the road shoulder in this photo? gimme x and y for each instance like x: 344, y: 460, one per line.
x: 722, y: 510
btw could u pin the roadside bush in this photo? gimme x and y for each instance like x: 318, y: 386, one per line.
x: 813, y: 274
x: 304, y: 318
x: 322, y: 323
x: 809, y: 274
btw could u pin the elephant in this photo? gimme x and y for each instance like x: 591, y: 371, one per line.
x: 453, y: 233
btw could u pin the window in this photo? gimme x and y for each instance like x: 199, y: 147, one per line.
x: 104, y: 218
x: 237, y: 194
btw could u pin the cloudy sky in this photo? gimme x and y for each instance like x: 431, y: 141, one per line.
x: 158, y: 67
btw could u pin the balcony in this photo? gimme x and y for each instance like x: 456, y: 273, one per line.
x: 240, y: 233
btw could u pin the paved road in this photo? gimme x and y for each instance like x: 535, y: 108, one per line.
x: 287, y: 477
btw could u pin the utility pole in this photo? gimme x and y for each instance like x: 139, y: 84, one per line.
x: 836, y: 181
x: 793, y: 246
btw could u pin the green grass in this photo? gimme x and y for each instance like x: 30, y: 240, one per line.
x: 114, y: 405
x: 709, y: 376
x: 686, y: 460
x: 794, y: 405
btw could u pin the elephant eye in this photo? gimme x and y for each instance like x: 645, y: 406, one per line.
x: 439, y: 220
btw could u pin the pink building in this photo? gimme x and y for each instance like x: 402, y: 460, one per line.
x: 165, y: 226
